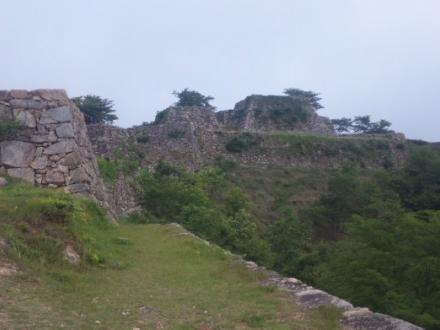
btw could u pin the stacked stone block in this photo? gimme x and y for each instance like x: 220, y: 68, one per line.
x: 50, y: 147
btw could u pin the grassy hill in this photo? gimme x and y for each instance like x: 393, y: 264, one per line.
x: 130, y: 276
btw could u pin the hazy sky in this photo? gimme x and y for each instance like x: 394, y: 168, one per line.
x: 378, y: 57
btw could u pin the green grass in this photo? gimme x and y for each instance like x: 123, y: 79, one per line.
x: 145, y: 276
x: 352, y: 148
x: 275, y: 190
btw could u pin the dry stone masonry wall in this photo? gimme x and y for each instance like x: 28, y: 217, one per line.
x: 51, y: 146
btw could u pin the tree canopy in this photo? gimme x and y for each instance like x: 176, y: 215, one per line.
x: 361, y: 124
x: 96, y: 110
x: 192, y: 98
x: 308, y: 96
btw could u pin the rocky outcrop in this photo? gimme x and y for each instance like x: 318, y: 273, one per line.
x: 50, y: 146
x: 353, y: 318
x: 275, y: 113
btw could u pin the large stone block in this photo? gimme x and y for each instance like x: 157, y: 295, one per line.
x: 25, y: 118
x: 4, y: 95
x: 42, y: 138
x: 78, y: 175
x: 39, y: 163
x: 56, y: 115
x: 65, y: 131
x: 62, y: 147
x: 72, y: 160
x: 55, y: 177
x: 19, y: 94
x: 52, y: 94
x: 26, y: 104
x: 26, y: 174
x: 5, y: 112
x: 16, y: 153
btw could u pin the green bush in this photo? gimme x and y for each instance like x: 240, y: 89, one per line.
x: 197, y: 201
x: 8, y: 129
x: 161, y: 116
x: 176, y: 134
x: 109, y: 169
x: 143, y: 139
x: 242, y: 142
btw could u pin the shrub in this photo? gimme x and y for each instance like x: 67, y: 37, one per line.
x: 143, y: 139
x: 192, y: 98
x: 161, y: 116
x: 176, y: 134
x: 242, y: 142
x: 309, y: 97
x: 174, y: 195
x: 108, y: 168
x: 95, y: 109
x: 8, y: 129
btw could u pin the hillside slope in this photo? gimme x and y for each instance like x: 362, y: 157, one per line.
x: 130, y: 276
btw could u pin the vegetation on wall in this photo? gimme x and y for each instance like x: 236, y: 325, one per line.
x: 371, y: 237
x: 242, y: 142
x: 96, y: 110
x: 124, y: 161
x: 8, y: 129
x: 361, y: 124
x: 307, y: 97
x: 192, y: 98
x: 204, y: 204
x: 176, y: 134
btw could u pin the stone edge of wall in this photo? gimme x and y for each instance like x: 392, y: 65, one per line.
x: 353, y: 318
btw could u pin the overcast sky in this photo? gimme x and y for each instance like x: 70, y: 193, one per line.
x: 377, y: 57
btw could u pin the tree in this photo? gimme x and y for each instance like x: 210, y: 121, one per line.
x: 192, y: 98
x: 342, y: 125
x: 308, y: 96
x: 361, y: 124
x: 96, y: 110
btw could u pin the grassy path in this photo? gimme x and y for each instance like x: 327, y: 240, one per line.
x: 162, y: 278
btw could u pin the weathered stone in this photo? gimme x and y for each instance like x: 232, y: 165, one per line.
x: 39, y: 152
x: 55, y: 158
x: 16, y: 153
x: 52, y: 94
x: 3, y: 182
x: 3, y: 95
x: 5, y: 112
x: 65, y: 131
x: 39, y: 163
x: 18, y: 94
x: 71, y: 255
x: 363, y: 318
x: 25, y: 118
x: 63, y: 169
x: 42, y: 138
x: 7, y: 269
x: 56, y: 115
x: 78, y: 175
x: 26, y: 174
x: 55, y: 177
x: 78, y: 188
x: 72, y: 160
x: 60, y: 148
x: 26, y: 104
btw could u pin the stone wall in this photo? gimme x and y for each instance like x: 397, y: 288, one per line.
x: 201, y: 139
x: 275, y: 113
x: 51, y: 146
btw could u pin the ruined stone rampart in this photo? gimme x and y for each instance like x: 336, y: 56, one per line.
x: 50, y: 146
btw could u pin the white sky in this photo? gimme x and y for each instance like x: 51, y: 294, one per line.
x: 377, y: 57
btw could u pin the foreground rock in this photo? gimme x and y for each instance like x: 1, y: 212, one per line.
x: 50, y: 147
x: 3, y: 182
x: 309, y: 297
